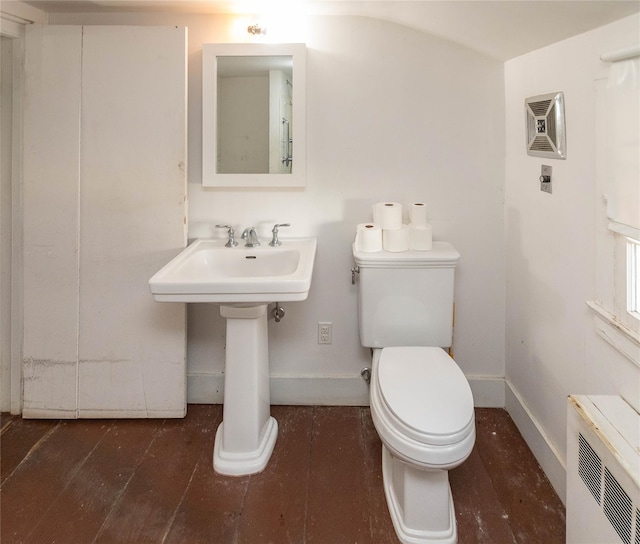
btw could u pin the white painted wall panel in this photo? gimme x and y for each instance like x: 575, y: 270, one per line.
x: 51, y: 190
x: 133, y: 219
x: 105, y: 175
x: 6, y: 114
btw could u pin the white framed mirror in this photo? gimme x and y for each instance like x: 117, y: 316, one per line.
x: 253, y: 115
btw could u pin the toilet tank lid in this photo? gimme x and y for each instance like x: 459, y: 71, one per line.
x: 443, y: 255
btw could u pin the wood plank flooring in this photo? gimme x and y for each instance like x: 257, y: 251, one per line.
x: 137, y: 481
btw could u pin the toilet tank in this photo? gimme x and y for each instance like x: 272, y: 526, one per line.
x: 406, y: 298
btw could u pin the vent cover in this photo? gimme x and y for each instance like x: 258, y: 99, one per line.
x: 589, y: 467
x: 545, y: 126
x: 608, y: 493
x: 617, y: 507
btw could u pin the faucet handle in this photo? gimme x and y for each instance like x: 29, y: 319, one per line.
x: 231, y: 242
x: 275, y: 242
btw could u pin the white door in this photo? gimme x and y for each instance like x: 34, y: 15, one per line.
x: 104, y: 208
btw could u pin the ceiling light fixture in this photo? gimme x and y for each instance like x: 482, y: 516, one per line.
x: 256, y: 30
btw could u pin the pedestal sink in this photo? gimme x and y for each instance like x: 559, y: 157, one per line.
x: 243, y: 281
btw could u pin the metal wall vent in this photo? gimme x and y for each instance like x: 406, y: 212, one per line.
x: 545, y: 126
x: 618, y: 507
x: 589, y: 467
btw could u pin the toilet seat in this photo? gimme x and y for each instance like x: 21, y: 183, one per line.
x: 422, y: 405
x: 427, y: 392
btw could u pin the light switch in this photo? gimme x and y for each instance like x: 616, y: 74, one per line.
x: 545, y: 179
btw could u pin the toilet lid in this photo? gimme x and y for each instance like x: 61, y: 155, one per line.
x: 425, y: 389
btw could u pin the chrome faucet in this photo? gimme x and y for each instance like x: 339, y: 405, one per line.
x: 275, y: 241
x: 250, y: 237
x: 231, y: 242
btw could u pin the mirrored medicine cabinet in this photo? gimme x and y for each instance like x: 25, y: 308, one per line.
x: 253, y: 115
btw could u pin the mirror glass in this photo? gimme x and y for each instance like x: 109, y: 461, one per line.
x: 253, y: 115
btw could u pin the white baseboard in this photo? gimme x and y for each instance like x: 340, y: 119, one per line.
x: 539, y: 443
x: 133, y: 414
x: 488, y: 391
x: 37, y: 413
x: 341, y: 390
x: 205, y: 388
x: 103, y: 414
x: 337, y: 390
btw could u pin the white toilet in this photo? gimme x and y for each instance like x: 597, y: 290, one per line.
x: 421, y: 402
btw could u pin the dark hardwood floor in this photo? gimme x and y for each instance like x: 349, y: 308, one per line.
x: 137, y: 481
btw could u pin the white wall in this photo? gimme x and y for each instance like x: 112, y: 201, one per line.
x: 392, y: 114
x: 6, y: 114
x: 552, y: 349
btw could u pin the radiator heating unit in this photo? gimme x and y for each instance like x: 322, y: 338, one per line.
x: 603, y: 471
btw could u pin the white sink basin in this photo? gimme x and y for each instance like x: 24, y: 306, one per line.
x: 207, y: 271
x: 243, y: 281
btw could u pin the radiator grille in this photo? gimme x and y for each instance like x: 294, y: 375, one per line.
x: 617, y: 507
x: 589, y: 467
x: 616, y: 504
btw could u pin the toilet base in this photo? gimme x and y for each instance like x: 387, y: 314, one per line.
x: 419, y: 501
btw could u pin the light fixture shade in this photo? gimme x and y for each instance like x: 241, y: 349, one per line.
x: 545, y: 125
x: 256, y: 29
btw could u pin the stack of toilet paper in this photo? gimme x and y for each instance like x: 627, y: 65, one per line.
x: 388, y: 232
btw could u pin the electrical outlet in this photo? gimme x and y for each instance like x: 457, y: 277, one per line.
x: 325, y: 332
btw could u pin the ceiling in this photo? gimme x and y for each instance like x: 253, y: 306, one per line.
x: 502, y: 29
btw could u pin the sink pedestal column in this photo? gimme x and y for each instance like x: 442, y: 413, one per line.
x: 246, y: 437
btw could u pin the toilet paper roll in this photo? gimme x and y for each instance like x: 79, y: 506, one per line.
x: 418, y: 214
x: 420, y: 237
x: 368, y: 238
x: 387, y: 215
x: 396, y: 240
